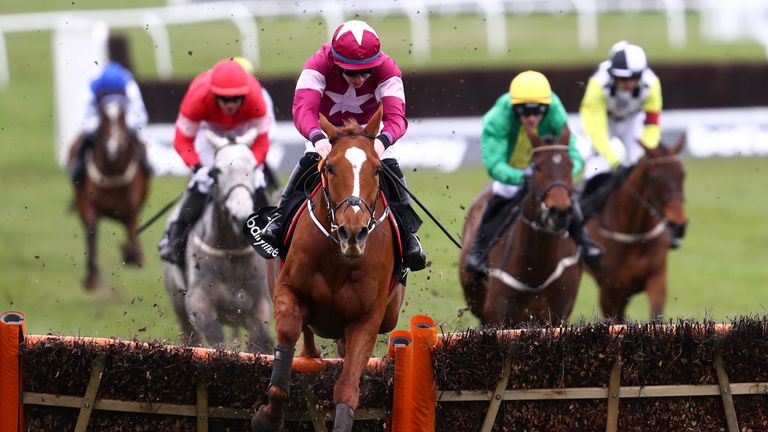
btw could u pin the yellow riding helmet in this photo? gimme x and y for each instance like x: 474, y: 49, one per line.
x: 530, y: 87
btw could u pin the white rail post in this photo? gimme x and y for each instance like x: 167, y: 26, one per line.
x: 418, y: 15
x: 159, y: 34
x: 5, y: 75
x: 586, y: 11
x: 249, y: 34
x: 495, y: 27
x: 79, y: 53
x: 676, y: 26
x: 333, y: 17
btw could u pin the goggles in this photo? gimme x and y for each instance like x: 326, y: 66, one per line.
x: 530, y: 109
x: 230, y: 99
x: 365, y: 73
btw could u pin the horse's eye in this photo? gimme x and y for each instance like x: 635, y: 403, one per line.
x: 377, y: 172
x: 329, y: 169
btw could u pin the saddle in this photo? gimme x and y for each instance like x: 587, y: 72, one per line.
x: 598, y: 188
x: 292, y: 210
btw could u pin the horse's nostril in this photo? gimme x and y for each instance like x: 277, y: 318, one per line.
x: 362, y: 235
x: 343, y: 234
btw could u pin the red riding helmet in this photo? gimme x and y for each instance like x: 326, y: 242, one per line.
x: 228, y: 78
x: 355, y: 46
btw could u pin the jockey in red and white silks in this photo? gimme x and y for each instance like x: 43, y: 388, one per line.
x: 202, y: 108
x: 347, y: 78
x: 227, y: 100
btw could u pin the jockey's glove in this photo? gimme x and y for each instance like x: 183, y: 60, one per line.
x: 379, y: 147
x: 323, y: 147
x: 201, y: 179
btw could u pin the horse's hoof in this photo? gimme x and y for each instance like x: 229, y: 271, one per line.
x: 92, y: 282
x: 344, y: 418
x: 131, y: 256
x: 261, y: 423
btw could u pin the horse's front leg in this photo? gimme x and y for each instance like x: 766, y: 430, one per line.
x: 132, y: 249
x: 360, y: 339
x: 93, y: 276
x: 288, y: 325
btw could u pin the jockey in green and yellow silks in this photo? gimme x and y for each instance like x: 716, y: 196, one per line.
x: 620, y: 110
x: 507, y: 155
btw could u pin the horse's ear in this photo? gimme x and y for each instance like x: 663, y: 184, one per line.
x: 329, y: 129
x: 680, y: 144
x: 372, y: 128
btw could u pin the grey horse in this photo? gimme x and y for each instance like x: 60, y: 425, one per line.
x: 224, y: 279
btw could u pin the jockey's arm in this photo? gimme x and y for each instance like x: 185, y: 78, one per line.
x: 652, y: 108
x: 594, y: 118
x: 260, y: 145
x: 392, y: 96
x: 306, y: 104
x: 136, y: 117
x: 184, y: 140
x: 494, y: 143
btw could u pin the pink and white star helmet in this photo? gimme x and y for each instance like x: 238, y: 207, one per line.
x: 355, y: 46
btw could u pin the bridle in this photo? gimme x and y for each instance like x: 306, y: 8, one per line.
x: 539, y: 196
x: 349, y: 201
x: 215, y: 171
x: 654, y: 208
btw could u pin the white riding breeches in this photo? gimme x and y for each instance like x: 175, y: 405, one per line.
x: 625, y: 136
x: 507, y: 190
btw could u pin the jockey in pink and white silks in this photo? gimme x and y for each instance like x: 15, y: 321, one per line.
x: 348, y: 78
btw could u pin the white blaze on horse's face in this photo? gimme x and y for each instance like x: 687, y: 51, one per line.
x: 236, y: 165
x: 356, y: 157
x: 113, y: 110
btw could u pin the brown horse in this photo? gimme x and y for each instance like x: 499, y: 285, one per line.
x: 642, y: 218
x: 115, y: 185
x: 337, y: 273
x: 533, y: 266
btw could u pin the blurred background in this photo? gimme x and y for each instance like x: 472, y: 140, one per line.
x: 457, y: 58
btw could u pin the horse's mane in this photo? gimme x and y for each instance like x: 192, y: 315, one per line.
x: 350, y: 126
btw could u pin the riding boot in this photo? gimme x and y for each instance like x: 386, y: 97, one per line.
x: 476, y: 260
x: 173, y: 244
x: 413, y: 254
x: 77, y: 170
x: 294, y: 188
x: 591, y: 251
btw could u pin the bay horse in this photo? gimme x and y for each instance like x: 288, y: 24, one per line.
x: 533, y: 266
x: 115, y: 185
x: 223, y: 280
x: 335, y: 282
x: 642, y: 218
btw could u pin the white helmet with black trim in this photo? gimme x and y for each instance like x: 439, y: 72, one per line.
x: 627, y: 62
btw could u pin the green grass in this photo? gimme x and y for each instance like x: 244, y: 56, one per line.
x: 720, y: 270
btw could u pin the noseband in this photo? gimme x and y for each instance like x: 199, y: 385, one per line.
x: 653, y: 208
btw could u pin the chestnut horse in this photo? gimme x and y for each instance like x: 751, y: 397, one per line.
x: 115, y: 185
x: 533, y: 266
x: 337, y: 273
x: 642, y: 218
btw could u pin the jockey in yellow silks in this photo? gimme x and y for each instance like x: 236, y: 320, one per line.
x: 620, y: 110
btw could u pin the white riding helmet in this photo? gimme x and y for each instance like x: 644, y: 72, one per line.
x: 627, y: 61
